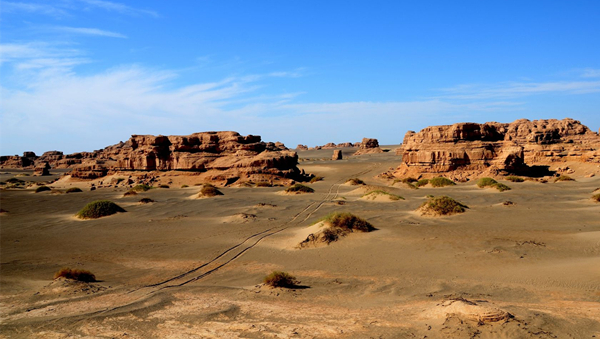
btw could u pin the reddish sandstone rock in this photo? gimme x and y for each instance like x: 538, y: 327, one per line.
x: 469, y: 149
x: 368, y: 146
x: 42, y: 169
x: 337, y: 155
x: 301, y: 147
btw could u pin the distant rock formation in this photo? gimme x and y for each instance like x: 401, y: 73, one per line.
x: 467, y: 150
x: 337, y: 154
x: 301, y: 147
x: 41, y: 169
x: 368, y: 146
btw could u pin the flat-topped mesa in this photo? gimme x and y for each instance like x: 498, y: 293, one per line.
x: 219, y: 155
x: 470, y: 149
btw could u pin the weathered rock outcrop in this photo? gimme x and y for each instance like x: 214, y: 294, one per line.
x: 337, y: 154
x: 222, y: 156
x: 42, y: 169
x: 368, y: 146
x: 470, y: 149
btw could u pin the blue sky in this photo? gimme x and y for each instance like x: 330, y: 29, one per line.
x: 79, y: 75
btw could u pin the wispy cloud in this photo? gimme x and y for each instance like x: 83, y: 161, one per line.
x: 89, y: 31
x: 45, y: 9
x: 510, y: 90
x: 119, y: 8
x: 591, y: 73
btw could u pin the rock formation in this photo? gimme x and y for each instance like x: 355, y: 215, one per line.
x: 42, y: 169
x: 466, y: 150
x: 337, y: 155
x: 368, y: 146
x: 301, y: 147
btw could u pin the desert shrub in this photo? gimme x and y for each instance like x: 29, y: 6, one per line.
x: 75, y: 274
x: 299, y: 188
x: 146, y: 200
x: 141, y: 188
x: 408, y: 180
x: 355, y: 181
x: 130, y: 192
x: 441, y: 182
x: 348, y: 221
x: 596, y: 197
x: 421, y: 182
x: 502, y: 187
x: 210, y: 191
x: 74, y: 190
x: 98, y: 209
x: 184, y: 186
x: 513, y: 178
x: 443, y: 205
x: 564, y: 178
x: 164, y: 186
x: 263, y: 184
x: 508, y: 203
x: 391, y: 196
x: 489, y: 182
x: 42, y: 189
x: 281, y: 279
x: 315, y: 179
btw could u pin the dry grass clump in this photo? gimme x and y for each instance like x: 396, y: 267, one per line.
x: 513, y: 178
x: 281, y: 279
x: 441, y: 182
x: 98, y: 209
x: 355, y: 181
x: 443, y: 205
x: 421, y: 182
x: 42, y: 189
x: 210, y: 191
x: 130, y: 192
x: 75, y: 274
x: 315, y: 179
x: 299, y: 188
x: 394, y: 197
x: 146, y: 201
x: 564, y: 178
x: 489, y: 182
x: 141, y: 188
x: 348, y: 221
x: 74, y: 190
x: 596, y: 197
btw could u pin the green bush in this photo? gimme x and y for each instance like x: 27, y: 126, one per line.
x: 315, y: 179
x: 391, y: 196
x: 348, y: 221
x: 299, y: 188
x: 75, y: 274
x: 596, y: 197
x: 42, y: 189
x: 141, y: 188
x: 513, y: 178
x: 441, y: 182
x: 421, y: 182
x: 489, y: 182
x: 564, y: 178
x: 281, y: 279
x: 355, y: 181
x: 98, y: 209
x: 210, y: 191
x: 502, y: 187
x: 443, y: 205
x: 74, y: 190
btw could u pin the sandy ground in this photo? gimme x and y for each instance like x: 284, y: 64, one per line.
x: 193, y: 268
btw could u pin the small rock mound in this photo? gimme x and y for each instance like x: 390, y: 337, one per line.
x: 478, y: 311
x: 368, y: 146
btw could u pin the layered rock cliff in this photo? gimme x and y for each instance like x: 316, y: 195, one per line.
x: 470, y: 149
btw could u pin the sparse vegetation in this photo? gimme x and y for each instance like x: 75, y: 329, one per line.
x: 441, y: 182
x: 164, y: 186
x: 263, y: 184
x: 98, y: 209
x: 146, y: 200
x: 421, y: 183
x: 74, y: 190
x: 513, y: 178
x: 130, y: 192
x: 355, y: 181
x: 210, y: 191
x: 564, y: 178
x: 390, y: 195
x: 141, y: 188
x: 443, y: 205
x: 299, y: 188
x: 42, y: 189
x: 315, y: 179
x: 184, y: 186
x: 596, y: 197
x: 281, y: 279
x: 348, y: 221
x: 490, y: 182
x: 75, y: 274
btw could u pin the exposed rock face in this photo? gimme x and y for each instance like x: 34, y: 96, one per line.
x: 469, y: 149
x: 337, y: 155
x: 223, y: 156
x: 368, y: 146
x: 301, y: 147
x: 42, y: 169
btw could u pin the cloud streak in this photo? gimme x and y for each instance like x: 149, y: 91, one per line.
x: 119, y: 8
x: 89, y: 31
x: 511, y: 90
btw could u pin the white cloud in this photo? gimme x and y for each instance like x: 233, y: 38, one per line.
x: 120, y: 8
x: 89, y: 31
x: 591, y: 73
x: 32, y: 8
x: 519, y: 89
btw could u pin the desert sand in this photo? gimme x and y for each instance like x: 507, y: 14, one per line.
x: 182, y: 267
